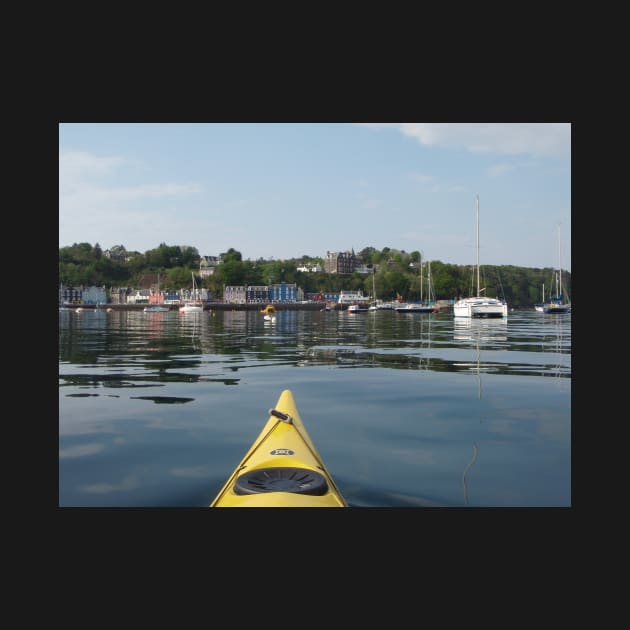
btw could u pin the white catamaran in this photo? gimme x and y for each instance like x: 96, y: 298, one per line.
x: 480, y: 305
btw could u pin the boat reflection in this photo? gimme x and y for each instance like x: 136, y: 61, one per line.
x: 480, y: 329
x: 486, y: 333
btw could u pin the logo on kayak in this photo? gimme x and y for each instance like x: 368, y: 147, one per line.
x: 281, y: 451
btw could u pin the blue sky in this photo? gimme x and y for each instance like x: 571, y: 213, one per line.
x: 284, y: 190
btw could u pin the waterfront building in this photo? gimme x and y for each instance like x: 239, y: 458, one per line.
x: 257, y: 294
x: 283, y: 292
x: 352, y: 297
x: 94, y: 295
x: 234, y: 295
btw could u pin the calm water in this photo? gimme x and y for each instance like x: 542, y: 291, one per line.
x: 407, y: 410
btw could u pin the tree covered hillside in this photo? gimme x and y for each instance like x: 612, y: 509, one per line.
x: 396, y: 272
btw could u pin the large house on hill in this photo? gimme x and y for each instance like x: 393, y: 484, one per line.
x: 341, y: 262
x: 208, y: 265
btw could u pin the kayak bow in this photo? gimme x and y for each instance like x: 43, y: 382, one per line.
x: 282, y: 468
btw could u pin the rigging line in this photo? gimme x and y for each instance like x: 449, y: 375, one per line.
x: 474, y: 459
x: 500, y: 283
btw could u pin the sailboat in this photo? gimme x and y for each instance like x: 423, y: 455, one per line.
x: 421, y: 306
x: 193, y: 305
x: 156, y: 308
x: 556, y: 303
x: 374, y: 305
x: 479, y: 305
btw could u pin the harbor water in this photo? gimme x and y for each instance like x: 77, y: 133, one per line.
x: 414, y: 410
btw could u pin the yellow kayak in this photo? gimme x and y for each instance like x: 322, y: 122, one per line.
x: 282, y: 468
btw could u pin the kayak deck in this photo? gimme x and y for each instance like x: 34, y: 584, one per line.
x: 282, y: 468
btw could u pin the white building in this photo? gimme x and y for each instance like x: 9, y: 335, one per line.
x: 352, y: 297
x: 310, y: 268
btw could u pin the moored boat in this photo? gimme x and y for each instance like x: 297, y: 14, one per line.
x: 416, y: 307
x: 556, y: 308
x: 282, y: 468
x: 194, y: 304
x: 357, y: 308
x: 557, y: 303
x: 479, y: 305
x: 156, y: 308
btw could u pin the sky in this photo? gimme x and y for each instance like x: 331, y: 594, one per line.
x: 287, y: 190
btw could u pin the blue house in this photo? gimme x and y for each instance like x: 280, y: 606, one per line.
x: 283, y: 292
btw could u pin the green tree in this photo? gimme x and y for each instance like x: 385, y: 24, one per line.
x: 233, y: 273
x: 231, y: 256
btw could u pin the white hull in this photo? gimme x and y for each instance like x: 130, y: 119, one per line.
x: 191, y: 308
x: 480, y: 307
x: 193, y: 304
x: 415, y: 308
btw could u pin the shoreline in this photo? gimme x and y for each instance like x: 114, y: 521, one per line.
x: 209, y: 306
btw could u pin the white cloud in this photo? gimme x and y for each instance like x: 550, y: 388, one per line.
x: 535, y: 139
x: 499, y: 169
x: 423, y: 179
x: 78, y: 169
x: 75, y: 166
x: 88, y: 205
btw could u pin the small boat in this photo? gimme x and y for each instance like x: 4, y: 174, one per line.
x: 358, y: 308
x: 191, y: 307
x: 416, y: 307
x: 282, y: 468
x: 556, y: 308
x: 385, y: 306
x: 156, y: 308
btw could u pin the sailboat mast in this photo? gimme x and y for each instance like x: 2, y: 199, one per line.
x: 478, y: 244
x: 373, y: 285
x: 559, y: 266
x: 421, y: 275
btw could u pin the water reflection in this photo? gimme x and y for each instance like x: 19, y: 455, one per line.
x: 464, y: 482
x: 404, y: 420
x: 169, y: 346
x: 489, y: 331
